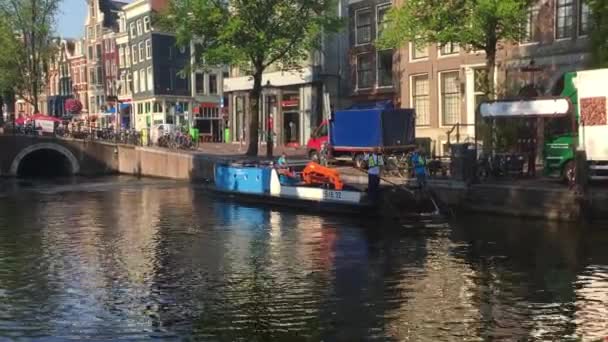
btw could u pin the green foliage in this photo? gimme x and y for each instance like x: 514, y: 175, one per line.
x: 26, y: 27
x: 9, y: 67
x: 599, y: 32
x: 251, y: 34
x: 473, y: 24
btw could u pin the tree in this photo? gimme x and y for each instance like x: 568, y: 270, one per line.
x: 8, y: 65
x: 252, y: 35
x: 599, y: 32
x: 473, y: 24
x: 29, y: 30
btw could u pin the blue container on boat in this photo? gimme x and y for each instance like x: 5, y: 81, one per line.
x: 243, y: 179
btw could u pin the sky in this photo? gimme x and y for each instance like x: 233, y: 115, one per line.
x: 70, y: 23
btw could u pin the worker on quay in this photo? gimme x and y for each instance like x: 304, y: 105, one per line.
x: 374, y: 162
x: 420, y: 169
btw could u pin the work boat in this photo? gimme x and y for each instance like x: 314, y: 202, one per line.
x: 315, y: 187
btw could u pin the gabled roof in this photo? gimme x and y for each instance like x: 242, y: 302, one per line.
x: 110, y: 9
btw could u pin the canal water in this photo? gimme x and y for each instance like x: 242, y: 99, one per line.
x: 125, y: 259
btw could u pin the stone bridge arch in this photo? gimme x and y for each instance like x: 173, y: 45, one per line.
x: 75, y: 166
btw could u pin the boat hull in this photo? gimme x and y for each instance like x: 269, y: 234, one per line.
x: 262, y: 185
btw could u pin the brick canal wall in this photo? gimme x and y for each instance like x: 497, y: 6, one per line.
x: 151, y: 162
x: 534, y: 201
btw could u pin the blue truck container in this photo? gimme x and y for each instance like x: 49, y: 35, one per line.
x: 375, y: 126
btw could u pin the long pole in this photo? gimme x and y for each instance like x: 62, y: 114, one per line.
x: 402, y: 186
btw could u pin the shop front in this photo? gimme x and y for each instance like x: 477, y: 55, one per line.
x: 209, y: 121
x: 286, y: 113
x: 125, y: 109
x: 290, y: 107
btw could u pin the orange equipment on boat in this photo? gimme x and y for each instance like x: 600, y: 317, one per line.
x: 317, y: 174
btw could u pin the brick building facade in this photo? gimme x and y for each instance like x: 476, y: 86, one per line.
x: 445, y: 83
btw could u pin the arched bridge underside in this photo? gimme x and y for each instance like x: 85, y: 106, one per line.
x: 45, y: 159
x: 26, y: 156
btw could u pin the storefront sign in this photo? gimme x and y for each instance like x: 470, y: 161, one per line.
x: 533, y: 107
x: 290, y: 103
x: 46, y: 126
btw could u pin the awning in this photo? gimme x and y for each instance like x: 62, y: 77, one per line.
x: 525, y: 108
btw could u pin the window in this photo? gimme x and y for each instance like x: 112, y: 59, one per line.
x: 450, y: 98
x: 98, y: 30
x: 158, y: 107
x: 106, y: 45
x: 140, y: 30
x: 385, y: 68
x: 382, y: 21
x: 419, y: 51
x: 93, y: 104
x: 212, y: 84
x: 363, y: 26
x: 108, y: 68
x: 140, y: 108
x: 141, y: 51
x: 449, y: 49
x: 583, y: 19
x: 479, y: 86
x: 127, y: 56
x: 147, y: 24
x: 114, y: 69
x: 91, y: 52
x: 142, y: 80
x: 98, y: 51
x: 132, y: 29
x: 121, y: 57
x: 365, y: 77
x: 82, y: 74
x: 564, y: 16
x: 529, y: 32
x: 90, y: 33
x: 150, y: 79
x: 148, y: 49
x: 99, y: 75
x: 136, y: 81
x: 134, y: 54
x: 421, y: 100
x: 76, y: 75
x: 199, y: 83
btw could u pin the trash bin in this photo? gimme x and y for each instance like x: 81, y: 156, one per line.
x: 227, y: 135
x: 194, y: 134
x: 463, y: 159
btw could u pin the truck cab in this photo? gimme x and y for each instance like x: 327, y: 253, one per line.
x: 318, y: 137
x: 585, y: 129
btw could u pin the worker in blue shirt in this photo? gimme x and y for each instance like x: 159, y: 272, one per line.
x: 374, y: 161
x: 282, y: 160
x: 420, y: 170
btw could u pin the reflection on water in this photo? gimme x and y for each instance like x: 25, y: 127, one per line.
x: 121, y: 258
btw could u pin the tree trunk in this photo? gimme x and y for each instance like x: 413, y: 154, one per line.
x: 35, y: 61
x: 491, y: 71
x: 254, y: 117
